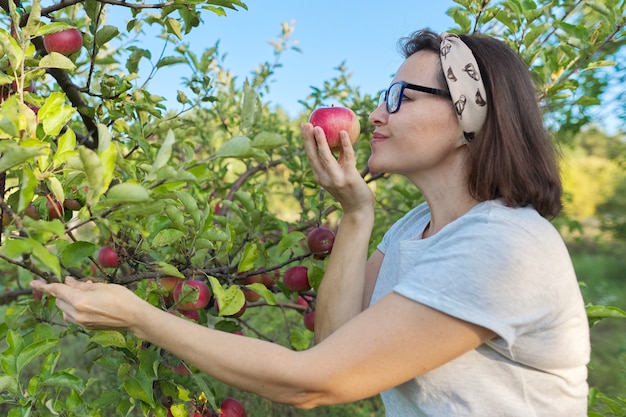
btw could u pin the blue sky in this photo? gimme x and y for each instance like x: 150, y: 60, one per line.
x: 363, y: 34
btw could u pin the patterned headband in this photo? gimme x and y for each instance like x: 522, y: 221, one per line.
x: 465, y: 84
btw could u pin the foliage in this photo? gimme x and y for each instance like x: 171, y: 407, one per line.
x: 563, y: 42
x: 219, y: 192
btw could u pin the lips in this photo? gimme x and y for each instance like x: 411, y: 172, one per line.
x: 378, y: 137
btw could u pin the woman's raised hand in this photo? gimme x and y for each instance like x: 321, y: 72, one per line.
x: 338, y: 175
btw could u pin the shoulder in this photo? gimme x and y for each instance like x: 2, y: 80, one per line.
x: 493, y: 218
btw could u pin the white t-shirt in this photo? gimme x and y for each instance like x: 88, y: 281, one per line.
x: 507, y: 270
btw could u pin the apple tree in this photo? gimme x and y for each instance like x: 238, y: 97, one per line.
x: 203, y: 212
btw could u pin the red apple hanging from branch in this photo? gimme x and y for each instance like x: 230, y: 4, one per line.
x: 66, y: 42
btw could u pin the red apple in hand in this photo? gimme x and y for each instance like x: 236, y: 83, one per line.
x: 230, y: 407
x: 333, y: 120
x: 296, y: 278
x: 65, y: 42
x: 320, y: 241
x: 197, y: 299
x: 107, y: 257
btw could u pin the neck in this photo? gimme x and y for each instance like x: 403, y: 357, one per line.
x: 447, y: 203
x: 445, y: 209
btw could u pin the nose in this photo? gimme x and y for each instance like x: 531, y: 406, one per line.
x: 379, y: 115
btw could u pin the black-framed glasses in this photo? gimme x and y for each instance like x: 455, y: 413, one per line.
x: 393, y: 95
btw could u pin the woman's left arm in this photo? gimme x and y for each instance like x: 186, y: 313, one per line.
x: 387, y: 344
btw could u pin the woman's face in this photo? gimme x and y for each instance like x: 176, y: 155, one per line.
x: 423, y: 137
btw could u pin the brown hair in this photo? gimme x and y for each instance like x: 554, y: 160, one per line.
x: 512, y: 157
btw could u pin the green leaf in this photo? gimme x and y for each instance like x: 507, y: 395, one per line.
x: 76, y: 253
x: 249, y: 107
x: 53, y: 27
x: 230, y: 300
x: 14, y: 155
x: 268, y: 140
x: 56, y: 187
x: 263, y: 291
x: 299, y: 339
x: 315, y: 275
x: 250, y: 255
x: 128, y: 192
x: 33, y: 351
x: 164, y: 154
x: 597, y: 313
x: 170, y: 60
x: 64, y: 379
x: 27, y: 189
x: 8, y: 384
x: 12, y: 50
x: 236, y: 147
x: 44, y: 255
x: 168, y: 237
x: 191, y: 206
x: 241, y: 147
x: 94, y: 172
x: 55, y: 114
x: 66, y: 148
x: 461, y: 18
x: 167, y: 269
x: 107, y: 338
x: 8, y: 359
x: 140, y: 387
x: 216, y: 287
x: 57, y: 60
x: 104, y: 137
x: 108, y: 158
x: 105, y: 34
x: 246, y: 201
x: 289, y: 241
x: 173, y: 27
x: 599, y: 64
x: 34, y: 20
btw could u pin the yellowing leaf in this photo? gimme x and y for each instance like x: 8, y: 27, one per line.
x: 57, y: 60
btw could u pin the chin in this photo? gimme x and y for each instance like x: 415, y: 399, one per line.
x: 375, y: 167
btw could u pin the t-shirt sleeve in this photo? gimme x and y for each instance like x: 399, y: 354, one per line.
x: 491, y: 273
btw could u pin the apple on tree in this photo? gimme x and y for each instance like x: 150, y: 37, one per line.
x: 320, y: 241
x: 107, y: 257
x: 65, y: 42
x: 55, y: 208
x: 262, y: 277
x: 309, y: 320
x: 32, y: 212
x: 250, y: 295
x: 169, y: 283
x: 333, y: 120
x: 296, y: 278
x: 197, y: 298
x: 230, y: 407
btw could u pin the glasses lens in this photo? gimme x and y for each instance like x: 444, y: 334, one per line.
x: 382, y: 98
x: 393, y: 97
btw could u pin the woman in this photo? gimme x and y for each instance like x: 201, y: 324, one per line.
x: 469, y: 306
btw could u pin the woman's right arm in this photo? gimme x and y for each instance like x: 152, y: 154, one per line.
x: 349, y: 277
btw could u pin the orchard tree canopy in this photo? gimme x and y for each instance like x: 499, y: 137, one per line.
x: 101, y: 181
